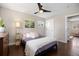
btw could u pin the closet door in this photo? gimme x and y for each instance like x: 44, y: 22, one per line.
x: 50, y: 28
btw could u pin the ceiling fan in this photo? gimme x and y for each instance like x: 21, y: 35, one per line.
x: 41, y: 10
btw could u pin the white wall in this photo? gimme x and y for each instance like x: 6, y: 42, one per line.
x: 59, y: 28
x: 10, y: 16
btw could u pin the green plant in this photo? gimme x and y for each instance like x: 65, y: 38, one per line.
x: 1, y: 23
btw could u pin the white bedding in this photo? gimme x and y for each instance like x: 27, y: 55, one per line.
x: 33, y: 45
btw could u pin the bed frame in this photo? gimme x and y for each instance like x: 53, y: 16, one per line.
x: 43, y: 53
x: 23, y: 44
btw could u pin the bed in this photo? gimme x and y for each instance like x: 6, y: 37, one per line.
x: 75, y: 34
x: 34, y: 44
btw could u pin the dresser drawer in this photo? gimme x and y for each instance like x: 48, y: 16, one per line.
x: 4, y: 44
x: 5, y: 40
x: 1, y: 47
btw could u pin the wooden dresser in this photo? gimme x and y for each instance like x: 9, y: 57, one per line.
x: 4, y: 44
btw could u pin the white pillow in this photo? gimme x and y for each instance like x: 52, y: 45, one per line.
x: 34, y: 34
x: 30, y: 35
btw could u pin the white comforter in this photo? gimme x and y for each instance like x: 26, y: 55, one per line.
x: 33, y: 45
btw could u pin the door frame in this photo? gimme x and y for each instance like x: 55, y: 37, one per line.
x: 66, y: 25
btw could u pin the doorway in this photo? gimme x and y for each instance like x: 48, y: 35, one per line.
x: 71, y: 27
x: 72, y: 33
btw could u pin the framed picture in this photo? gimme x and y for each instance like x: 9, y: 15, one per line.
x: 29, y: 24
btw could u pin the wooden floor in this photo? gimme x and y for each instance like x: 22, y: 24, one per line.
x: 64, y: 49
x: 16, y: 51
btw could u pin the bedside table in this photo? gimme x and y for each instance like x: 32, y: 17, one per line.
x: 17, y: 39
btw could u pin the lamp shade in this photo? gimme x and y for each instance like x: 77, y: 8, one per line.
x: 18, y: 24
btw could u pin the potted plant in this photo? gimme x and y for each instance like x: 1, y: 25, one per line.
x: 2, y: 29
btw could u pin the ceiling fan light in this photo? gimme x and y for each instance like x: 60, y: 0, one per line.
x: 41, y: 11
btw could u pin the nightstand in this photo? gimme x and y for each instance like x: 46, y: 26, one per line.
x: 17, y: 39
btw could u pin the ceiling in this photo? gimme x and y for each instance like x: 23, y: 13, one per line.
x: 31, y: 8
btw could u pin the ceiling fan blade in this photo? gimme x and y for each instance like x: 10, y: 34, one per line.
x: 46, y: 10
x: 35, y: 12
x: 40, y: 6
x: 41, y: 9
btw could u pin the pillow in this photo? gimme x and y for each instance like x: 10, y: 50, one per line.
x: 30, y: 35
x: 34, y: 34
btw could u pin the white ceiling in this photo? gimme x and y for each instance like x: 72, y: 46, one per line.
x: 30, y: 8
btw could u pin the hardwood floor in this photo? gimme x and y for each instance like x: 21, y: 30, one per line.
x: 64, y: 49
x: 69, y: 49
x: 16, y: 51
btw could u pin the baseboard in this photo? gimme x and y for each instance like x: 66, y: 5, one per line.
x: 62, y: 41
x: 11, y: 43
